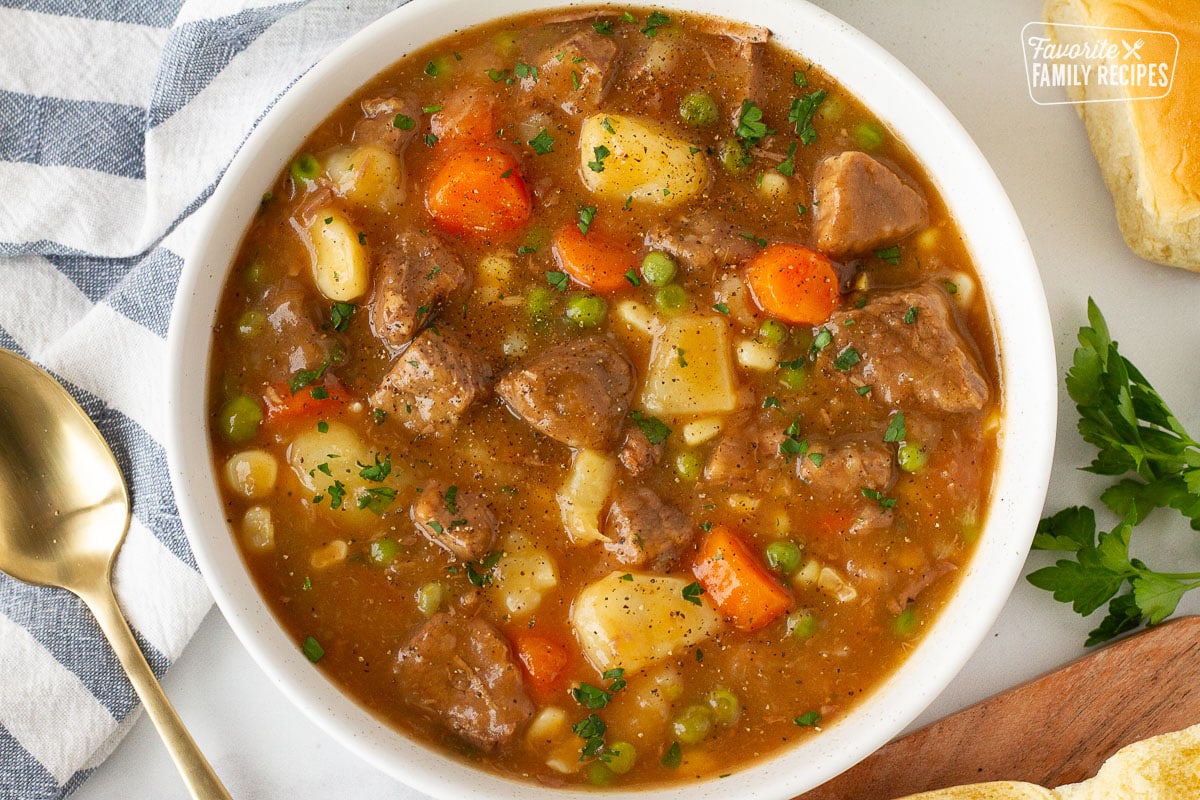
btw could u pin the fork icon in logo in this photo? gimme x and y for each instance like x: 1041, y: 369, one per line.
x: 1131, y: 50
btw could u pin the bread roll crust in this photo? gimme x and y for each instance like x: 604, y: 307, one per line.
x: 1148, y: 150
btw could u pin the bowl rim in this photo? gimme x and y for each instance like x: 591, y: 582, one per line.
x: 1009, y: 278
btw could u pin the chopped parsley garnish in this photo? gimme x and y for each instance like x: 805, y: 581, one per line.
x: 320, y: 393
x: 808, y: 719
x: 655, y: 429
x: 435, y: 526
x: 591, y: 729
x: 788, y: 165
x: 633, y: 278
x: 377, y: 471
x: 312, y: 649
x: 543, y: 143
x: 403, y: 122
x: 594, y: 697
x: 801, y: 114
x: 816, y: 458
x: 679, y: 353
x: 431, y: 69
x: 847, y: 359
x: 878, y: 497
x: 430, y: 109
x: 720, y: 308
x: 864, y: 390
x: 429, y: 139
x: 450, y: 498
x: 895, y: 430
x: 800, y: 78
x: 337, y: 493
x: 307, y: 377
x: 772, y: 402
x: 801, y: 209
x: 758, y: 240
x: 377, y: 498
x: 479, y: 573
x: 322, y: 427
x: 604, y: 27
x: 606, y: 123
x: 601, y: 152
x: 378, y: 415
x: 910, y: 316
x: 673, y: 757
x: 526, y: 249
x: 558, y: 280
x: 575, y: 83
x: 627, y: 577
x: 523, y: 70
x: 497, y: 75
x: 951, y: 287
x: 891, y: 255
x: 822, y: 340
x: 340, y: 314
x: 362, y: 238
x: 586, y: 215
x: 750, y: 128
x: 655, y: 21
x: 692, y: 592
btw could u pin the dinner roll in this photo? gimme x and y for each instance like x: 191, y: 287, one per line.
x: 1165, y: 767
x: 1147, y: 149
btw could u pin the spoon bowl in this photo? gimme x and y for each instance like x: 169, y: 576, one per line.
x: 64, y: 512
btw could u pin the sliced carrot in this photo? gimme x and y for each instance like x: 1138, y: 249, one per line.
x: 478, y: 190
x: 284, y: 406
x: 467, y: 115
x: 544, y: 659
x: 737, y: 582
x: 595, y: 261
x: 794, y: 284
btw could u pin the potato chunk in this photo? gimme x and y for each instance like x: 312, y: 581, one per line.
x: 368, y: 176
x: 631, y: 622
x: 690, y: 368
x: 339, y: 262
x: 642, y: 161
x: 521, y: 577
x: 329, y: 464
x: 582, y: 496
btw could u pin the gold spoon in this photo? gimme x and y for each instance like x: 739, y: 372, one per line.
x: 64, y: 511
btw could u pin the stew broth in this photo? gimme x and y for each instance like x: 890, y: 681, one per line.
x: 792, y: 495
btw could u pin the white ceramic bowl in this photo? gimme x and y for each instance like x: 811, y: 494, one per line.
x: 1009, y: 280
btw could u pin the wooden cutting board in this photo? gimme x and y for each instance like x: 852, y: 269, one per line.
x: 1056, y: 729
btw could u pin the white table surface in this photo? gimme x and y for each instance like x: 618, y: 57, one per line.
x: 969, y: 53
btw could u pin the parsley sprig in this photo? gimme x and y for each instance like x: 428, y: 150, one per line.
x: 1139, y: 440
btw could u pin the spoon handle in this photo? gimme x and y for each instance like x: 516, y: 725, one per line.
x: 202, y: 782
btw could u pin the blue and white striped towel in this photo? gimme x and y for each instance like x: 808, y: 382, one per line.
x: 117, y: 118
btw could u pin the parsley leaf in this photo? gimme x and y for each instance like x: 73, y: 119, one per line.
x: 601, y: 152
x: 801, y: 115
x: 692, y: 592
x: 586, y: 215
x: 788, y: 165
x: 1139, y: 440
x: 558, y: 280
x: 750, y: 127
x: 543, y: 143
x: 655, y: 429
x: 895, y: 430
x: 891, y: 255
x: 655, y: 21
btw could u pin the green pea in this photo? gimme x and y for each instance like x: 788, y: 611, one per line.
x: 383, y: 551
x: 733, y: 156
x: 783, y: 556
x: 254, y: 273
x: 726, y: 707
x: 430, y: 598
x: 239, y: 418
x: 671, y: 298
x: 698, y: 109
x: 692, y: 724
x: 802, y: 626
x: 599, y: 774
x: 689, y: 465
x: 251, y: 323
x: 773, y: 332
x: 586, y: 310
x: 620, y: 757
x: 831, y: 108
x: 306, y: 167
x: 906, y: 622
x: 539, y: 304
x: 794, y: 378
x: 868, y: 135
x: 911, y: 457
x: 506, y: 43
x: 658, y: 268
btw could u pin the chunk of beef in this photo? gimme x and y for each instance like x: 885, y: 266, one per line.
x: 457, y: 521
x: 847, y: 467
x: 378, y: 125
x: 918, y: 583
x: 746, y: 457
x: 294, y: 329
x: 702, y: 242
x: 637, y: 453
x: 645, y: 531
x: 577, y: 393
x: 573, y: 74
x: 925, y: 361
x: 415, y: 276
x: 462, y: 673
x: 861, y: 205
x: 433, y: 383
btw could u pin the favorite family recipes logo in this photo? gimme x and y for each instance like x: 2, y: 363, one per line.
x: 1089, y: 64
